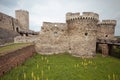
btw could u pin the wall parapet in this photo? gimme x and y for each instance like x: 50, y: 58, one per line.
x: 108, y: 22
x: 85, y: 15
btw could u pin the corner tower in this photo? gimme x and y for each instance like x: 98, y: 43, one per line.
x: 23, y: 18
x: 106, y: 29
x: 82, y: 33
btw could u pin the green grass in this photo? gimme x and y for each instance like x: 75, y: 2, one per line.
x: 116, y: 52
x: 12, y: 47
x: 66, y: 67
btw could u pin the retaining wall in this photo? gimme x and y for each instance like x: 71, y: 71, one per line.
x: 15, y: 58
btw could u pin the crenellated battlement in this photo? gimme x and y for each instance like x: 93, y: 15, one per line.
x: 86, y: 15
x: 21, y: 11
x: 91, y: 14
x: 112, y: 22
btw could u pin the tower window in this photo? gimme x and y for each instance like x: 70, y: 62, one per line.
x: 106, y: 35
x: 86, y: 34
x: 17, y: 29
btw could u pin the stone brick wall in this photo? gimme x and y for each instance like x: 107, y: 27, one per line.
x: 13, y: 59
x: 106, y: 29
x: 11, y: 27
x: 8, y: 22
x: 53, y: 38
x: 7, y: 36
x: 26, y: 39
x: 23, y: 17
x: 82, y: 34
x: 77, y: 36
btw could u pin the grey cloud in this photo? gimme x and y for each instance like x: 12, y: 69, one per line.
x: 9, y: 3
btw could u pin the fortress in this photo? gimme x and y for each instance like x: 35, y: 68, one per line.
x: 19, y: 23
x: 11, y: 27
x: 78, y: 35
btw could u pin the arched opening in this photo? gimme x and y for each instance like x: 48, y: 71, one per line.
x: 17, y: 29
x: 21, y: 34
x: 86, y: 34
x: 26, y: 34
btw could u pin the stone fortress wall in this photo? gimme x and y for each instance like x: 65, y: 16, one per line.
x: 82, y: 33
x: 8, y: 28
x: 106, y: 29
x: 53, y: 38
x: 23, y: 17
x: 11, y: 27
x: 21, y: 22
x: 77, y: 36
x: 8, y: 22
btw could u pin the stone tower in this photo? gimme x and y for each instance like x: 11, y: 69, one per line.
x: 82, y: 33
x: 106, y: 29
x: 23, y: 18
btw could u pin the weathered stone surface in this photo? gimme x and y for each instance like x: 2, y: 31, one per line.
x: 23, y: 18
x: 18, y: 25
x: 53, y: 38
x: 8, y: 22
x: 7, y: 36
x: 105, y: 49
x: 15, y: 58
x: 106, y: 29
x: 77, y: 36
x: 82, y: 34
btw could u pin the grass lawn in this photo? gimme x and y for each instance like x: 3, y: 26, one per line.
x: 12, y: 47
x: 66, y: 67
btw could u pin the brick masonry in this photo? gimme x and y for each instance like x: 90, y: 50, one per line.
x: 15, y: 58
x: 77, y: 36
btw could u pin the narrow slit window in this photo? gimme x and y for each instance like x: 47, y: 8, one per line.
x: 86, y: 34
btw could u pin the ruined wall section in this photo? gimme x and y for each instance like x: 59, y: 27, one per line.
x: 8, y: 28
x: 23, y: 18
x: 26, y: 39
x: 53, y: 38
x: 15, y: 58
x: 106, y: 29
x: 8, y: 22
x: 82, y: 33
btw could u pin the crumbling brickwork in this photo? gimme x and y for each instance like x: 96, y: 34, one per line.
x: 77, y: 36
x: 106, y: 29
x: 23, y: 17
x: 15, y: 58
x: 82, y: 33
x: 18, y: 25
x: 8, y: 22
x: 53, y: 38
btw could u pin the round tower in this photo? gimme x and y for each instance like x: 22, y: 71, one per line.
x: 82, y: 33
x: 23, y: 18
x: 106, y: 29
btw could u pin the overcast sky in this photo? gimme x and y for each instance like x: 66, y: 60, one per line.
x: 55, y: 10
